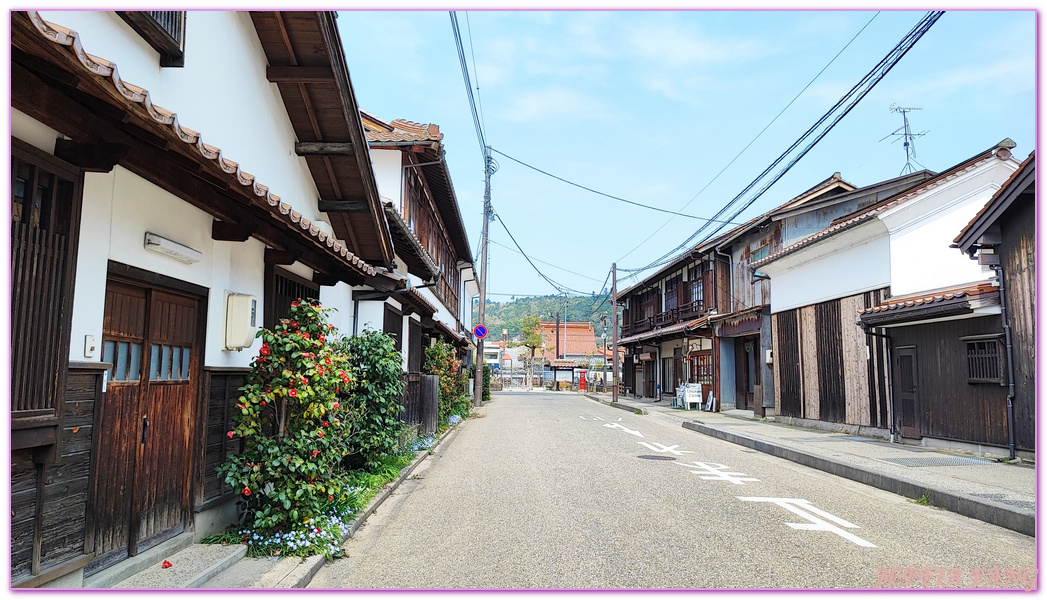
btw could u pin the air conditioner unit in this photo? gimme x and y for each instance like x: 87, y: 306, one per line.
x: 241, y: 320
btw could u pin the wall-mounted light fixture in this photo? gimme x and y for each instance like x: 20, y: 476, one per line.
x: 172, y: 249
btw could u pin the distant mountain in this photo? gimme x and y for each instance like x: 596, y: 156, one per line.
x: 507, y: 315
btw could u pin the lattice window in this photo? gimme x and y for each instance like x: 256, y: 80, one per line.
x: 169, y: 363
x: 126, y: 358
x: 984, y: 362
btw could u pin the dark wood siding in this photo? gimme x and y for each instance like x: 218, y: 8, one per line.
x: 1018, y: 258
x: 787, y: 363
x: 394, y: 325
x: 832, y: 398
x: 947, y: 406
x: 223, y: 391
x: 45, y: 223
x: 51, y: 529
x: 414, y: 343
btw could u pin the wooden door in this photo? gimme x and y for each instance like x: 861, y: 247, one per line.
x: 143, y: 478
x: 906, y: 390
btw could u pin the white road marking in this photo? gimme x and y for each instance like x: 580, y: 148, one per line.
x: 623, y: 428
x: 662, y: 448
x: 800, y: 507
x: 717, y: 472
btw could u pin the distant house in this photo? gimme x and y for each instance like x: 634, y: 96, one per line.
x: 702, y: 319
x: 1002, y: 236
x: 890, y: 265
x: 568, y: 341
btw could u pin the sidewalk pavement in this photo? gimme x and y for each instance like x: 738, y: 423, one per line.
x: 988, y: 490
x: 219, y: 566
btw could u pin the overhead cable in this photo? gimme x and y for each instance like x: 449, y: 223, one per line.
x: 647, y: 206
x: 847, y: 102
x: 758, y: 135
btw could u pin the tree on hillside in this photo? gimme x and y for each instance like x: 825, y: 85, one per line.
x: 531, y: 339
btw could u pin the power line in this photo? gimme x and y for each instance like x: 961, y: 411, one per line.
x: 546, y: 263
x: 479, y: 100
x: 758, y: 135
x: 848, y: 102
x: 559, y: 287
x: 546, y: 173
x: 468, y: 85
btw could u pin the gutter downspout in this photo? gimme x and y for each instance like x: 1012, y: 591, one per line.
x: 890, y: 377
x: 356, y: 315
x: 1010, y: 361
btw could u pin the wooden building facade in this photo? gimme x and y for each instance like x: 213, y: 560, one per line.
x: 1003, y: 236
x: 900, y: 345
x: 128, y: 233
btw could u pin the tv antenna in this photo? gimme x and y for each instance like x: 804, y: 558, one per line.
x: 907, y: 136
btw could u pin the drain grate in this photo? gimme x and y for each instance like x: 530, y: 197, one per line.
x: 653, y: 457
x: 938, y: 462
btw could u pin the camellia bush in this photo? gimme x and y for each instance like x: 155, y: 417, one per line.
x: 296, y: 432
x: 374, y: 395
x: 441, y: 361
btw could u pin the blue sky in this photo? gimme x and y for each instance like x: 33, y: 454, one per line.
x: 651, y: 106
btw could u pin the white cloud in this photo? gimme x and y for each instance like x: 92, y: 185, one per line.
x: 673, y: 47
x: 554, y: 102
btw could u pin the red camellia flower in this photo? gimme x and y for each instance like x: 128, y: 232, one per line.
x: 305, y: 335
x: 247, y: 491
x: 293, y: 393
x: 315, y: 452
x: 295, y: 304
x: 305, y: 381
x: 294, y: 323
x: 327, y: 360
x: 231, y: 434
x: 263, y: 402
x: 265, y: 350
x: 166, y: 564
x: 320, y: 433
x: 325, y: 424
x: 321, y: 337
x: 335, y: 405
x: 330, y: 498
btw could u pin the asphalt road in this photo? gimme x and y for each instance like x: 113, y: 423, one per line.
x: 552, y: 490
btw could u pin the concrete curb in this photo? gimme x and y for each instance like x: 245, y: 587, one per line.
x: 304, y: 573
x: 989, y: 511
x: 391, y: 487
x: 190, y: 570
x: 621, y: 405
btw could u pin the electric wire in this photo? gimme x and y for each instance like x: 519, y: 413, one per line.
x: 559, y: 287
x: 511, y: 249
x: 476, y: 74
x: 588, y: 189
x: 758, y: 135
x: 468, y: 86
x: 848, y: 101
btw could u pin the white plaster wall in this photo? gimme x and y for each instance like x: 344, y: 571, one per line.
x: 921, y: 258
x: 340, y: 298
x: 119, y: 208
x: 848, y: 263
x: 388, y: 175
x: 221, y: 92
x: 33, y: 132
x: 372, y: 316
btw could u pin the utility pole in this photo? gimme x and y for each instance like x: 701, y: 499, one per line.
x: 614, y: 330
x: 478, y: 385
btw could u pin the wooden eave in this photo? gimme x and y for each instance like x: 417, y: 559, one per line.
x: 307, y: 65
x: 1022, y: 182
x: 409, y: 248
x: 56, y: 82
x: 438, y: 179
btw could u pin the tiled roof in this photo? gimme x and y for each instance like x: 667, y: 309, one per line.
x: 1030, y: 160
x: 107, y: 70
x: 576, y: 338
x: 662, y: 331
x: 926, y: 298
x: 400, y: 130
x: 855, y: 219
